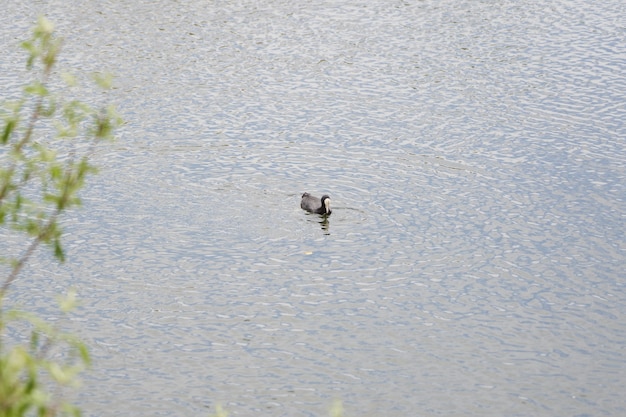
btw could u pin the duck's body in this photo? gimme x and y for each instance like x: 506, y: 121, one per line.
x: 316, y: 205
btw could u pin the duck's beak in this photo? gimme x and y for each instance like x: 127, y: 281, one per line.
x: 327, y: 205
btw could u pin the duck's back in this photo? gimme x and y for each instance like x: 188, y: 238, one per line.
x: 310, y: 203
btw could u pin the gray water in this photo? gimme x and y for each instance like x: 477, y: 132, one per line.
x: 475, y: 155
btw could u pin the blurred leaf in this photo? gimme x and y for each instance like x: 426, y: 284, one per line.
x: 69, y: 79
x: 219, y: 411
x: 68, y: 302
x: 58, y: 251
x: 84, y: 354
x: 9, y: 127
x: 36, y: 88
x: 337, y: 409
x: 44, y: 26
x: 104, y: 80
x: 58, y: 373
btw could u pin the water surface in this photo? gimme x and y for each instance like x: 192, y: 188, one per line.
x: 474, y: 261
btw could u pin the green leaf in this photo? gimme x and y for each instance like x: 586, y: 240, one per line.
x: 68, y: 302
x: 84, y: 353
x: 58, y: 251
x: 45, y: 154
x: 33, y: 53
x: 9, y: 127
x: 69, y: 79
x: 104, y: 80
x: 55, y: 172
x: 44, y: 26
x: 29, y: 46
x: 52, y: 52
x: 36, y: 88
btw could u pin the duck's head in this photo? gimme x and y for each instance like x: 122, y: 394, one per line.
x: 326, y: 204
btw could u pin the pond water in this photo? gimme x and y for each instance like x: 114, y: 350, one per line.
x: 474, y: 261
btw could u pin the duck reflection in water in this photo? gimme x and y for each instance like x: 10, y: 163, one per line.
x: 325, y: 225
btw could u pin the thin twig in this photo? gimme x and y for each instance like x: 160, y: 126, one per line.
x: 17, y: 268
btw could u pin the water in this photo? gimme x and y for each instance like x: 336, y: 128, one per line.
x: 474, y: 261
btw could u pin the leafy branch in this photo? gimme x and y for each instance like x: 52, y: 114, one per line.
x: 46, y: 144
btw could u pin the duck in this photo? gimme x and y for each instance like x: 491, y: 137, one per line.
x: 316, y: 205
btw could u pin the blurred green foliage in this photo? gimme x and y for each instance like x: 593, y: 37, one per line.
x: 45, y: 146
